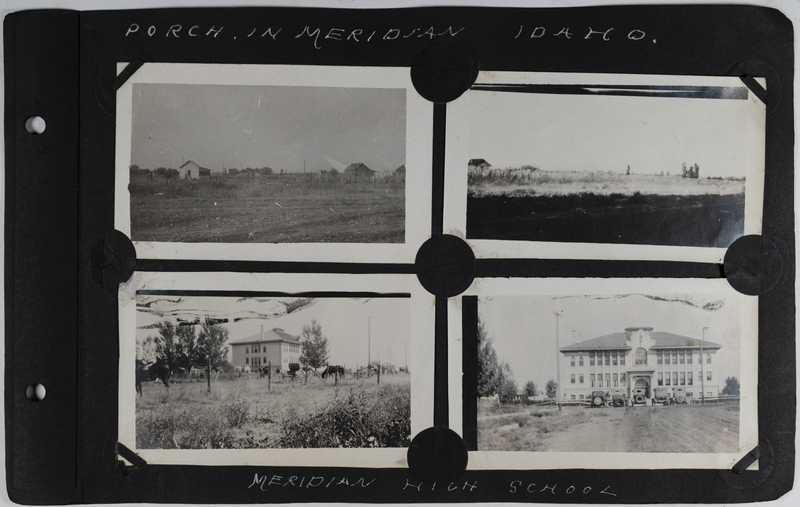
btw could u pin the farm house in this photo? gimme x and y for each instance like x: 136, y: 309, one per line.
x: 639, y: 358
x: 192, y: 171
x: 479, y: 163
x: 269, y: 346
x: 358, y: 171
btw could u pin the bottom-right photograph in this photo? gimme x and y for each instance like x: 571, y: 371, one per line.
x: 615, y: 372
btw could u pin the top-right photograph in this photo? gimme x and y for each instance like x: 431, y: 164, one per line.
x: 610, y: 161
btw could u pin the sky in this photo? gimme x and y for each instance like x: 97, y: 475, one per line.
x: 273, y: 126
x: 524, y: 328
x: 344, y: 321
x: 608, y: 133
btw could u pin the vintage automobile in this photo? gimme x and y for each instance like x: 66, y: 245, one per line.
x: 617, y: 398
x: 662, y: 396
x: 599, y: 398
x: 639, y: 396
x: 679, y: 396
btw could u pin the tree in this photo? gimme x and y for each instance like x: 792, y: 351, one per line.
x: 186, y: 344
x: 551, y: 389
x: 490, y: 373
x: 530, y: 388
x: 731, y: 386
x: 509, y: 385
x: 166, y: 344
x: 210, y: 343
x: 171, y: 174
x: 314, y: 346
x: 266, y: 171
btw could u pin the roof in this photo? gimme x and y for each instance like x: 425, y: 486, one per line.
x: 401, y: 169
x: 357, y: 166
x: 478, y: 161
x: 617, y: 341
x: 195, y: 163
x: 275, y: 334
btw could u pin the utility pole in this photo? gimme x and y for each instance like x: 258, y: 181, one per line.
x: 702, y: 372
x: 369, y: 344
x: 558, y: 362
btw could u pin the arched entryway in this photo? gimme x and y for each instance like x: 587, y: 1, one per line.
x: 641, y: 383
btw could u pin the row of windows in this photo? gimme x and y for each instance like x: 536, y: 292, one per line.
x: 286, y: 348
x: 679, y: 357
x: 689, y: 394
x: 257, y: 361
x: 610, y: 358
x: 664, y: 379
x: 611, y: 379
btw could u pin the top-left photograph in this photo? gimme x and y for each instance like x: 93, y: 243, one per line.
x: 259, y: 162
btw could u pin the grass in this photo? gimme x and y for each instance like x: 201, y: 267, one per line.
x: 527, y: 181
x: 276, y: 209
x: 244, y: 414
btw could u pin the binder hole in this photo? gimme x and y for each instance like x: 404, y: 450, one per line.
x: 35, y: 125
x: 35, y: 392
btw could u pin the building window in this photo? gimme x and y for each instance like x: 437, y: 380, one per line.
x: 572, y: 397
x: 688, y: 357
x: 689, y: 378
x: 591, y: 379
x: 608, y: 358
x: 666, y: 357
x: 666, y: 379
x: 591, y: 359
x: 683, y: 379
x: 580, y: 361
x: 659, y: 357
x: 616, y: 380
x: 614, y: 359
x: 572, y: 361
x: 674, y: 357
x: 622, y: 379
x: 572, y: 378
x: 660, y: 379
x: 608, y: 380
x: 708, y: 375
x: 580, y: 378
x: 622, y: 358
x: 246, y: 360
x: 708, y: 359
x: 674, y: 378
x: 265, y: 360
x: 247, y: 350
x: 682, y: 357
x: 582, y: 397
x: 641, y: 356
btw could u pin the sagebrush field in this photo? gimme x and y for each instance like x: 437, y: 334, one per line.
x: 244, y: 414
x: 604, y: 207
x: 291, y: 208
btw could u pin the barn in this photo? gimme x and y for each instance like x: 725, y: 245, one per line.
x: 639, y: 358
x: 400, y: 172
x: 358, y: 171
x: 479, y: 163
x: 192, y: 171
x: 274, y: 346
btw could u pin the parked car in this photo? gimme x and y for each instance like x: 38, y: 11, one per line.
x: 639, y: 396
x: 599, y: 398
x: 617, y: 398
x: 679, y: 396
x: 662, y: 396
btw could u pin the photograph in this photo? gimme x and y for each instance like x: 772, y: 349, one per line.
x: 257, y: 162
x: 628, y: 373
x: 248, y: 370
x: 613, y: 160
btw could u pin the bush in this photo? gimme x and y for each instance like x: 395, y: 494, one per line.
x: 354, y: 420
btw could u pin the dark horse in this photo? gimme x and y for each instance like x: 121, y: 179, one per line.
x: 336, y: 371
x: 148, y: 372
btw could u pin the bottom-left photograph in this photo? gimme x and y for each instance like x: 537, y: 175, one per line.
x: 234, y: 370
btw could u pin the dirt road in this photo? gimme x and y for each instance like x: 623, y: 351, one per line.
x: 691, y: 428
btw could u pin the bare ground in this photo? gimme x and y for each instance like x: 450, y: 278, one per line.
x: 693, y: 428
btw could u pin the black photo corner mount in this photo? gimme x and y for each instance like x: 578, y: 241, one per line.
x: 437, y: 455
x: 113, y: 260
x: 753, y: 265
x: 45, y: 208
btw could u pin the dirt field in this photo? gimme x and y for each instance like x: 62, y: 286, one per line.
x: 711, y: 220
x: 272, y: 211
x: 244, y: 414
x: 691, y: 428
